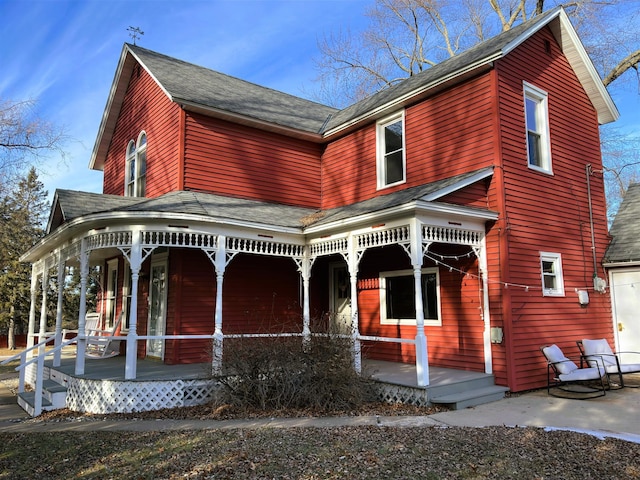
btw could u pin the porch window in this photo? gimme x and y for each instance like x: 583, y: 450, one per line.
x: 551, y: 267
x: 391, y: 165
x: 111, y: 294
x: 536, y: 118
x: 136, y: 167
x: 397, y: 297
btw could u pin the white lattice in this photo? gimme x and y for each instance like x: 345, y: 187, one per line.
x: 104, y: 396
x: 390, y: 393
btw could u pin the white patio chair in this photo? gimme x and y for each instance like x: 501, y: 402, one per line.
x: 612, y: 361
x: 565, y: 375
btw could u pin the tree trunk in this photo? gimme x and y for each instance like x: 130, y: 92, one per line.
x: 11, y: 338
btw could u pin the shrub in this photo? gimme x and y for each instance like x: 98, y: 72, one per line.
x: 276, y: 373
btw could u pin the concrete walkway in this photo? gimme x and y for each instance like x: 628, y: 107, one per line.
x: 615, y: 415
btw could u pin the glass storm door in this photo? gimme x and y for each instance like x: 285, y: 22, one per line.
x: 340, y: 289
x: 157, y: 308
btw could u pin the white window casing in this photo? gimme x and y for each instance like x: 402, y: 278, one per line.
x: 551, y: 272
x: 432, y: 308
x: 390, y: 151
x: 537, y: 128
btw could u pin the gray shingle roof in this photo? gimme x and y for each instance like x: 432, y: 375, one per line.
x: 191, y: 83
x: 445, y: 69
x: 75, y: 204
x: 625, y: 230
x: 198, y: 85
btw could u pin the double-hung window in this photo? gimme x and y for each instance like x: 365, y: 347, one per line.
x: 537, y: 122
x: 391, y: 163
x: 551, y: 268
x: 136, y: 167
x: 398, y: 298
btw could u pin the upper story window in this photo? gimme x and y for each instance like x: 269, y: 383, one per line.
x: 391, y: 164
x: 398, y: 298
x: 136, y: 168
x: 537, y: 121
x: 551, y: 267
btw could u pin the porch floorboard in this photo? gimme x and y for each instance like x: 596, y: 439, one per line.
x: 148, y: 370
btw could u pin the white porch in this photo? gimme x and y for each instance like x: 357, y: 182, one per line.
x: 103, y: 388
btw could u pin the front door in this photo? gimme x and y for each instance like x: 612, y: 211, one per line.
x: 625, y: 292
x: 157, y: 307
x: 340, y: 307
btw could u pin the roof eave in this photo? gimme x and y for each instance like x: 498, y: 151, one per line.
x: 413, y: 208
x: 99, y: 220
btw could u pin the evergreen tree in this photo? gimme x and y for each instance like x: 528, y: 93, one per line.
x: 23, y: 212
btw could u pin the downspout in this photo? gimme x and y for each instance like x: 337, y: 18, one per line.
x: 589, y: 171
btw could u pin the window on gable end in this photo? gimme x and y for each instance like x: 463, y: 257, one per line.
x: 391, y: 163
x: 551, y: 269
x: 537, y: 126
x: 136, y: 167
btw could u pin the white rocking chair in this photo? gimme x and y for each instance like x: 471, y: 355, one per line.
x: 102, y: 343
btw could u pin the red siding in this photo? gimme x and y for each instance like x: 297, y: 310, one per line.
x: 239, y: 161
x: 457, y: 343
x: 549, y: 212
x: 145, y: 107
x: 448, y: 134
x: 260, y: 295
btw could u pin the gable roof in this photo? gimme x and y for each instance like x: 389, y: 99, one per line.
x: 625, y: 230
x: 204, y: 90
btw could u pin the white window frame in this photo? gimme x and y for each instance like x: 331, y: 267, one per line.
x: 540, y: 98
x: 136, y: 151
x: 126, y: 297
x: 111, y: 294
x: 381, y: 154
x: 556, y: 260
x: 407, y: 321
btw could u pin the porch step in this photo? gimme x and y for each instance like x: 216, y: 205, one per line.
x: 54, y: 396
x: 471, y: 398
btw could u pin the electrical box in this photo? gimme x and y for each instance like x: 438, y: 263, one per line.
x: 583, y: 297
x: 496, y: 335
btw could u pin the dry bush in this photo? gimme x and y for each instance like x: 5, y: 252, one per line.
x: 277, y: 373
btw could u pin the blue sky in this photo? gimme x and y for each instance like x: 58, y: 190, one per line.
x: 63, y: 53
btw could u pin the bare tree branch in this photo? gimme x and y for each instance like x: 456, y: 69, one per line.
x: 630, y: 61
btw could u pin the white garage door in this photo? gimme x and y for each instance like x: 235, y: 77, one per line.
x: 625, y: 295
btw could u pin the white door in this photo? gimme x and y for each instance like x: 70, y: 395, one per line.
x: 625, y: 298
x: 340, y: 301
x: 157, y: 307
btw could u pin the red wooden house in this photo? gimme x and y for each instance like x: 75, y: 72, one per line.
x: 448, y: 221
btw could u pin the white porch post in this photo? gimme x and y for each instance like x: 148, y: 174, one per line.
x: 32, y: 309
x: 82, y: 338
x: 305, y: 272
x: 355, y: 317
x: 481, y: 253
x: 58, y: 355
x: 220, y: 265
x: 422, y: 358
x: 135, y: 263
x: 43, y: 310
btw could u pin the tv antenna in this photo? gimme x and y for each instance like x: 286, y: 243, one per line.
x: 135, y: 33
